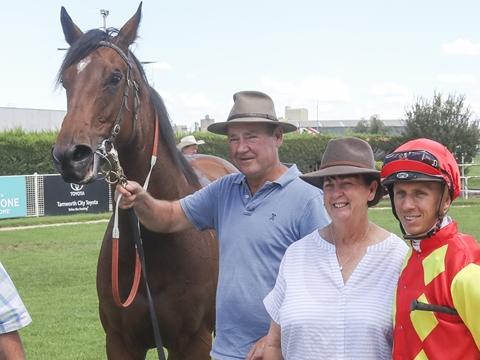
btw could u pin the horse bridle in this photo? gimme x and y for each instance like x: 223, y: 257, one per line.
x: 115, y: 175
x: 106, y: 150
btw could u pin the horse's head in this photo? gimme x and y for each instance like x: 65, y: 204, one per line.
x: 98, y: 74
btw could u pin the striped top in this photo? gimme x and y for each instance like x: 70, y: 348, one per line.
x: 13, y: 314
x: 323, y: 318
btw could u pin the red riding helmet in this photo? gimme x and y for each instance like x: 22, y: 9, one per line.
x: 422, y: 160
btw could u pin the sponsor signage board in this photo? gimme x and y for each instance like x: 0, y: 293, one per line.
x: 13, y: 197
x: 63, y: 198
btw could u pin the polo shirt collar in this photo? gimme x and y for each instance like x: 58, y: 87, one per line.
x: 290, y: 175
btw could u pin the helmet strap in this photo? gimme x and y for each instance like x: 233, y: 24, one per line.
x: 435, y: 227
x: 430, y: 232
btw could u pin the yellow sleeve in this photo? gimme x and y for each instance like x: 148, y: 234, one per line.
x: 465, y: 291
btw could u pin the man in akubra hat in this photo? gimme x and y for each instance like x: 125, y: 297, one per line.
x: 256, y: 213
x: 188, y: 145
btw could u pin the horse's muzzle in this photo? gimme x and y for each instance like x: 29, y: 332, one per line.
x: 75, y: 164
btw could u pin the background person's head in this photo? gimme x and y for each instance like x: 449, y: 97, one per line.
x: 254, y: 133
x: 348, y: 178
x: 188, y: 145
x: 422, y: 179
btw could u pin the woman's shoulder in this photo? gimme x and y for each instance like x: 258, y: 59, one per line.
x: 389, y: 239
x: 307, y: 242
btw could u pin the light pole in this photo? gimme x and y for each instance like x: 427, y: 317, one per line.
x: 104, y: 14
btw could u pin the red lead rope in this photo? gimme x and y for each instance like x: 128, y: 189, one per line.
x: 115, y: 246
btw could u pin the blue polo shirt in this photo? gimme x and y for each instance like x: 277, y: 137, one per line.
x: 253, y: 232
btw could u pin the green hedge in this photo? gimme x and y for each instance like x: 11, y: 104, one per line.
x: 305, y: 150
x: 24, y: 153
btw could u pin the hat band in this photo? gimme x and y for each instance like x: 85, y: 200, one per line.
x: 347, y: 163
x: 250, y: 115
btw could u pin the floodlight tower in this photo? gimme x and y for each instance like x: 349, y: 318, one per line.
x: 104, y: 14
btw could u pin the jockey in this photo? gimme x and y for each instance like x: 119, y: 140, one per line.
x: 437, y: 297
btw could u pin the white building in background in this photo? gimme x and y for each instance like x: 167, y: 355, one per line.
x: 30, y: 119
x: 295, y: 115
x: 205, y: 122
x: 41, y: 119
x: 299, y: 117
x: 180, y: 129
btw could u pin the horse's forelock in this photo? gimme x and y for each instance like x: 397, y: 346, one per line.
x: 83, y: 47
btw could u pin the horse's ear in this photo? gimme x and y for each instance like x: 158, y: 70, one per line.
x: 128, y: 32
x: 71, y: 31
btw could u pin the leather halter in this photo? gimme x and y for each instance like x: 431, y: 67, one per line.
x: 130, y: 82
x: 139, y: 253
x: 119, y: 177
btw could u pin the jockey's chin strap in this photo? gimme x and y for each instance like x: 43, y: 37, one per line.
x: 437, y: 226
x: 429, y: 233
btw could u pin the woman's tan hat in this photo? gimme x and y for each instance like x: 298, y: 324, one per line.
x: 346, y: 156
x: 188, y: 141
x: 251, y: 107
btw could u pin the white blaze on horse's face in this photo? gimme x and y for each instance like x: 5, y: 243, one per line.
x: 82, y: 64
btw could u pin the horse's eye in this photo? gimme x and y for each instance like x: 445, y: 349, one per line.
x: 115, y: 78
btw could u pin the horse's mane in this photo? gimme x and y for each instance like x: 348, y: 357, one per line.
x: 168, y: 137
x: 88, y: 43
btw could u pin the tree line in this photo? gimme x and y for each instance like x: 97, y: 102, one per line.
x: 446, y: 119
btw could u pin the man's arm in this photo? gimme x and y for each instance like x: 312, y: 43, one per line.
x: 11, y: 346
x: 156, y: 215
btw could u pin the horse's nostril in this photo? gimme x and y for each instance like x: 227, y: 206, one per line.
x: 81, y: 152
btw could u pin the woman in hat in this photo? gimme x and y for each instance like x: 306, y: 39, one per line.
x: 334, y: 291
x: 188, y: 145
x: 438, y: 295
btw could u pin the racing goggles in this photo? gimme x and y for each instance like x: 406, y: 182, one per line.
x: 415, y: 155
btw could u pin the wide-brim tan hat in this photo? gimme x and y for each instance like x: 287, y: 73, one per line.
x: 188, y: 141
x: 346, y: 156
x: 251, y: 107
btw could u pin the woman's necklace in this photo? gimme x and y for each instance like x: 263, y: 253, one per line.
x: 340, y: 264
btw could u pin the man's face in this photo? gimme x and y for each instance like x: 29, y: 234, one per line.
x: 254, y: 149
x: 190, y: 150
x: 417, y: 204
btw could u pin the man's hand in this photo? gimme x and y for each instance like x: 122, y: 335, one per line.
x: 130, y: 193
x: 156, y: 215
x: 256, y: 353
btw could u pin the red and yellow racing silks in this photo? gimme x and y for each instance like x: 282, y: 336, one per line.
x: 445, y: 272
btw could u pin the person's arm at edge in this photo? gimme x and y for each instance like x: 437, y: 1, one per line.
x: 11, y: 346
x: 156, y: 215
x: 273, y: 350
x: 466, y: 298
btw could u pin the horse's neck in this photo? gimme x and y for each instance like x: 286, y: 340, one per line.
x: 167, y: 180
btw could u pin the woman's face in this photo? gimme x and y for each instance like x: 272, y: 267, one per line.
x: 346, y: 196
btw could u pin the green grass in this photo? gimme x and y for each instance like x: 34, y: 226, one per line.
x: 54, y: 271
x: 474, y: 171
x: 52, y: 219
x: 464, y: 211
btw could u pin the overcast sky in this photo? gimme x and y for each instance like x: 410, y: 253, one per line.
x: 338, y: 59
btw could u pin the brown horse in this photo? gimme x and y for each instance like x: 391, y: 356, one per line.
x: 109, y: 100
